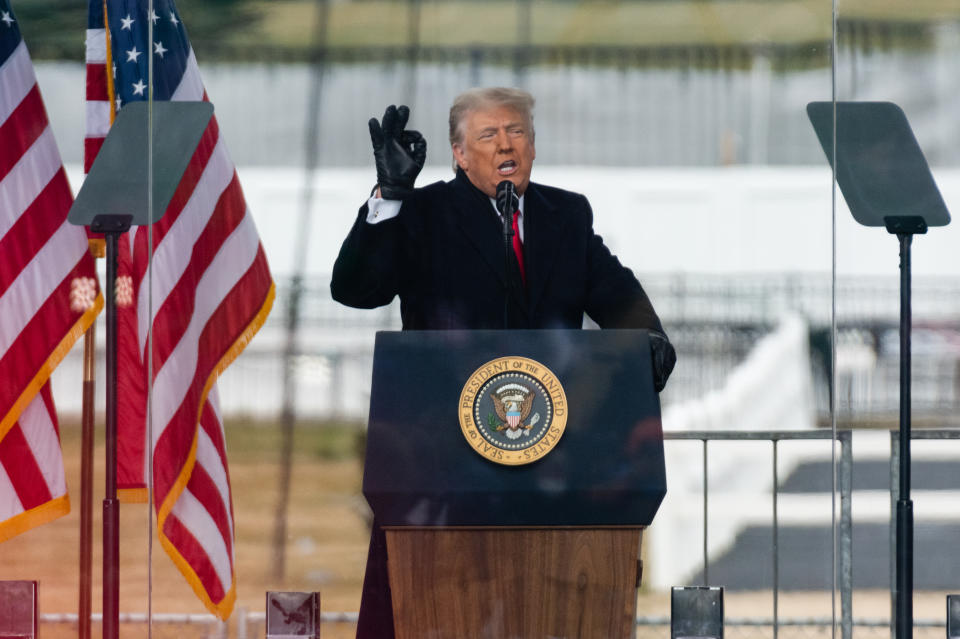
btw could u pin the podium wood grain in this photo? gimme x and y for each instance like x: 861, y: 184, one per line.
x: 513, y: 583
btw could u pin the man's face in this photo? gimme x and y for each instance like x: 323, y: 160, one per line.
x: 497, y: 146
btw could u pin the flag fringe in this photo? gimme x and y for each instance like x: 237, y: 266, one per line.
x: 43, y: 373
x: 221, y: 610
x: 133, y: 495
x: 42, y: 514
x: 225, y: 606
x: 98, y: 247
x: 111, y: 88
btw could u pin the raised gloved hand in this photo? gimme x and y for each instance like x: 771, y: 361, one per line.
x: 399, y: 154
x: 663, y: 358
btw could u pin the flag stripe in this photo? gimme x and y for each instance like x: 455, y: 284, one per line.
x: 224, y: 326
x: 185, y: 544
x: 176, y: 248
x: 32, y: 230
x: 27, y: 178
x: 196, y: 519
x: 21, y: 129
x: 201, y: 487
x: 174, y: 312
x: 44, y: 441
x: 211, y: 455
x: 245, y: 301
x: 205, y: 492
x: 97, y: 82
x: 91, y: 146
x: 27, y: 478
x: 98, y: 87
x: 132, y: 447
x: 39, y: 336
x: 98, y: 118
x: 96, y: 46
x: 31, y: 289
x: 16, y: 78
x: 206, y: 149
x: 177, y: 373
x: 10, y: 504
x: 191, y: 86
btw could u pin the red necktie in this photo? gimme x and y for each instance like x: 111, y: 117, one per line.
x: 518, y: 247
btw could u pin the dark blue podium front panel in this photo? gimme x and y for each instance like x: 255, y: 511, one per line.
x: 606, y: 470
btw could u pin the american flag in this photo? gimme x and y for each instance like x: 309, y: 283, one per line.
x: 211, y: 291
x: 101, y: 107
x: 48, y: 292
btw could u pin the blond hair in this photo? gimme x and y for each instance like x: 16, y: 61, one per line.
x: 483, y: 98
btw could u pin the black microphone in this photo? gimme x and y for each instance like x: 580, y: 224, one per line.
x: 507, y: 203
x: 507, y: 200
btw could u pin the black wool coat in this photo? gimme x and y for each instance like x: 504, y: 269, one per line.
x: 444, y: 256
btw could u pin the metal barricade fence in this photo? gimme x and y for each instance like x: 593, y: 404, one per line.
x: 933, y: 435
x: 250, y: 625
x: 247, y: 624
x: 844, y: 483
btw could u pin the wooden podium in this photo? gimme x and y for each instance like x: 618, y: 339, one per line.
x: 546, y: 549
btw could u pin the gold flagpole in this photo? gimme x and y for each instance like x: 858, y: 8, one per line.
x: 86, y: 467
x: 86, y: 481
x: 98, y: 250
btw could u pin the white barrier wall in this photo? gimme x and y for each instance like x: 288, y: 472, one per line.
x: 770, y: 390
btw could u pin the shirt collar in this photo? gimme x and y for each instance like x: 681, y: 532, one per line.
x: 493, y: 203
x: 462, y: 178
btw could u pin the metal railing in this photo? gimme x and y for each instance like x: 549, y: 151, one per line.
x: 931, y: 434
x: 844, y: 483
x: 246, y: 624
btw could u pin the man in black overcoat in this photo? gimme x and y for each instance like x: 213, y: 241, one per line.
x: 442, y: 249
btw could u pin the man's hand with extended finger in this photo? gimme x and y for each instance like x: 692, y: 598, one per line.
x: 399, y: 154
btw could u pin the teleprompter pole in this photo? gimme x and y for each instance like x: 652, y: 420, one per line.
x: 111, y: 507
x: 905, y: 228
x: 904, y: 503
x: 111, y: 226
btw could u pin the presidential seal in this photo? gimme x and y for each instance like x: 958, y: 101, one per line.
x: 513, y: 410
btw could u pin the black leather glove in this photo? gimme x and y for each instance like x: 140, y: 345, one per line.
x: 399, y: 154
x: 663, y: 358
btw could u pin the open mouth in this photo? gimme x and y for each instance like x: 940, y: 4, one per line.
x: 507, y: 168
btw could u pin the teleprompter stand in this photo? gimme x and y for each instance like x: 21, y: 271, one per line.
x: 886, y: 182
x: 549, y: 548
x: 128, y: 185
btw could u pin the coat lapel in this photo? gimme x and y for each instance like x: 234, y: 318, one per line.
x: 481, y: 226
x: 544, y: 227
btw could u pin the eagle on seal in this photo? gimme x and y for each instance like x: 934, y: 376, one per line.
x: 512, y: 403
